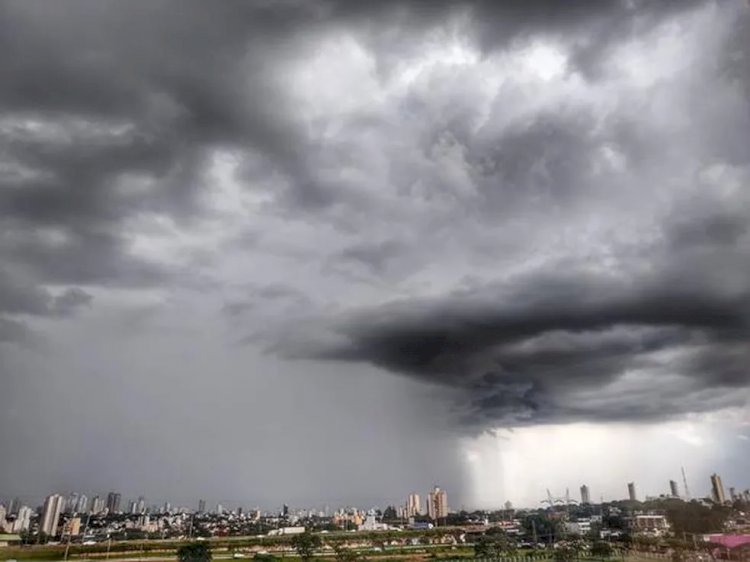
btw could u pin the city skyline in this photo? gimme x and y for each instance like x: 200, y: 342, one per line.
x: 329, y: 251
x: 412, y: 503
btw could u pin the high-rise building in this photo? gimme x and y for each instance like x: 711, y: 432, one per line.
x: 219, y: 509
x: 82, y: 504
x: 53, y: 507
x: 285, y: 510
x: 71, y: 502
x: 413, y: 505
x: 132, y: 507
x: 141, y: 505
x: 717, y: 489
x: 631, y: 492
x: 97, y: 505
x: 23, y: 519
x: 201, y: 506
x: 674, y: 491
x: 3, y: 513
x: 14, y: 506
x: 732, y: 494
x: 113, y: 502
x: 437, y: 504
x: 585, y: 496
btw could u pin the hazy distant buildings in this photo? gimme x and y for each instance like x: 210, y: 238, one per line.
x: 113, y: 502
x: 631, y: 492
x: 53, y: 507
x: 717, y: 489
x: 82, y: 504
x: 413, y: 505
x: 97, y: 505
x: 14, y: 506
x: 674, y: 491
x: 23, y: 519
x: 585, y: 496
x: 201, y: 506
x: 437, y: 504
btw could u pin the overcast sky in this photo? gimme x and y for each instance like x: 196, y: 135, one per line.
x: 332, y: 252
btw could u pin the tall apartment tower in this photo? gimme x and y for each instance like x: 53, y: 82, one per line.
x: 631, y: 492
x: 437, y: 504
x: 113, y: 502
x: 585, y: 496
x: 53, y: 507
x: 674, y: 491
x: 413, y: 505
x: 201, y: 506
x: 97, y: 505
x: 717, y: 489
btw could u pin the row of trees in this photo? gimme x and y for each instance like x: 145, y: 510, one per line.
x: 305, y: 544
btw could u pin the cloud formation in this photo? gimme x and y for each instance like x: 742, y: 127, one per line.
x: 540, y: 208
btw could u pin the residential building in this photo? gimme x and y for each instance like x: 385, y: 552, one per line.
x: 631, y: 492
x: 674, y: 491
x: 53, y: 507
x: 23, y: 519
x: 82, y: 504
x: 113, y: 502
x: 72, y: 527
x: 14, y: 506
x: 585, y: 496
x: 413, y: 505
x: 654, y: 525
x: 3, y: 513
x: 717, y: 489
x: 201, y: 506
x: 437, y: 504
x: 97, y: 505
x: 580, y: 527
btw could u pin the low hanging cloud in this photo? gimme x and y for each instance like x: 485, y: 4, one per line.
x: 569, y: 344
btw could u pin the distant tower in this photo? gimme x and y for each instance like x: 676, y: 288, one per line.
x: 717, y: 489
x: 585, y: 497
x: 113, y: 502
x: 631, y: 492
x: 201, y: 506
x: 437, y: 504
x: 674, y: 491
x: 53, y: 507
x: 685, y: 484
x: 413, y: 505
x: 732, y: 494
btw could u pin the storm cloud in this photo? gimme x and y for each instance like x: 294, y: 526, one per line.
x: 529, y: 213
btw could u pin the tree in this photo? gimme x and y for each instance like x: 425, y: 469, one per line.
x: 565, y: 554
x: 601, y: 549
x: 494, y: 542
x: 344, y: 554
x: 194, y: 552
x: 390, y: 514
x: 305, y: 544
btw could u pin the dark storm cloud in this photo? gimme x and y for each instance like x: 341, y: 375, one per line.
x: 567, y: 344
x: 111, y: 117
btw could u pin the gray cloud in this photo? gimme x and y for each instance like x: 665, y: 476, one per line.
x: 304, y: 177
